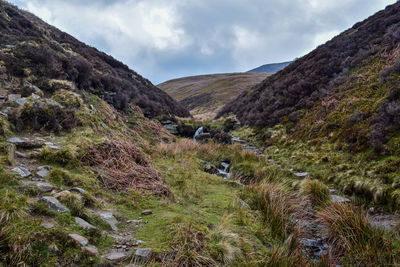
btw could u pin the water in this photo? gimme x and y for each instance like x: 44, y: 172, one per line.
x: 225, y: 171
x: 198, y: 132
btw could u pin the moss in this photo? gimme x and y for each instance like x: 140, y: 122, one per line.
x: 69, y: 155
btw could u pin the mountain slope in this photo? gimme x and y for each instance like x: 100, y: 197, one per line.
x: 274, y: 67
x: 204, y: 95
x: 346, y: 89
x: 40, y: 53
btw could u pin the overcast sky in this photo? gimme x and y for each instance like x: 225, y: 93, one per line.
x: 165, y: 39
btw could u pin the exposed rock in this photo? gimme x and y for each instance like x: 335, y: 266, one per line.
x: 21, y: 101
x: 203, y: 136
x: 80, y: 240
x: 84, y: 224
x: 11, y: 154
x: 301, y: 174
x: 147, y: 212
x: 143, y: 254
x: 43, y: 171
x: 109, y: 218
x: 339, y: 199
x: 384, y: 221
x: 53, y: 204
x: 43, y: 187
x: 117, y: 256
x: 211, y: 169
x: 170, y: 126
x: 25, y: 143
x: 21, y: 171
x: 91, y: 250
x: 78, y: 191
x: 47, y: 225
x: 13, y: 97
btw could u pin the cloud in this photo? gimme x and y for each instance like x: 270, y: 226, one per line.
x: 167, y: 39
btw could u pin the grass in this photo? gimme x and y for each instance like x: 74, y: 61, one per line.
x: 316, y: 190
x: 356, y: 238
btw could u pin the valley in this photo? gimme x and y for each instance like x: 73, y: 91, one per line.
x: 99, y: 167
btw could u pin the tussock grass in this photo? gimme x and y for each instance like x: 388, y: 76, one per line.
x: 12, y: 206
x: 277, y: 207
x: 316, y: 190
x: 355, y: 238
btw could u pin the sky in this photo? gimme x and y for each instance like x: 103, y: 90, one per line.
x: 166, y: 39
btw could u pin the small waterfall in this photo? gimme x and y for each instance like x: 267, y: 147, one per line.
x: 225, y: 172
x: 198, y: 132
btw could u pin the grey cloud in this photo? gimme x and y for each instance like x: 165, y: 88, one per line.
x: 174, y: 38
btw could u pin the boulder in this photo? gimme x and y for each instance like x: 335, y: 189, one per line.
x: 84, y: 224
x: 339, y: 199
x: 21, y: 171
x: 91, y: 250
x: 147, y: 212
x: 43, y: 171
x: 25, y: 143
x: 117, y: 256
x: 43, y: 187
x: 109, y: 218
x: 62, y: 194
x: 53, y: 204
x: 78, y: 239
x: 143, y: 254
x: 78, y: 190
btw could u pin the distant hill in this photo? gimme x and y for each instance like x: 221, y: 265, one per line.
x: 33, y: 50
x: 274, y: 67
x: 205, y: 95
x: 346, y: 89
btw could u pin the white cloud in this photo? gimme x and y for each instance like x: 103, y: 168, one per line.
x: 166, y: 39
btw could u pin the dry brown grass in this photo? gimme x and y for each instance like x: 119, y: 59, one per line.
x: 126, y: 167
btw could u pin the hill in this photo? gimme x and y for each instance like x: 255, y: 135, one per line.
x: 204, y: 95
x: 346, y: 89
x: 274, y: 67
x: 41, y: 54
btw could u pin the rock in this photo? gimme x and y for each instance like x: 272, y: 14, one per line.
x: 339, y: 199
x: 13, y: 97
x: 25, y: 143
x: 147, y: 212
x: 53, y: 204
x: 170, y: 168
x: 35, y: 96
x: 11, y: 154
x: 91, y: 250
x: 3, y: 94
x: 117, y: 256
x: 21, y: 171
x: 109, y: 218
x: 143, y: 254
x: 78, y: 191
x: 80, y: 240
x: 172, y: 128
x: 62, y: 194
x: 21, y: 155
x: 301, y: 174
x: 43, y: 187
x: 211, y: 169
x: 203, y: 136
x: 54, y: 103
x: 47, y: 225
x: 43, y: 171
x: 84, y: 224
x: 21, y: 101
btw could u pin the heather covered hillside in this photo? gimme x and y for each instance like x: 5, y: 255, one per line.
x: 205, y: 95
x: 37, y: 52
x: 347, y: 89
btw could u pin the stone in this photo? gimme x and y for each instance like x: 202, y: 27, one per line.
x: 116, y: 256
x: 78, y: 239
x: 147, y: 212
x: 13, y: 97
x: 143, y: 254
x: 3, y: 94
x: 21, y: 155
x: 35, y: 96
x: 21, y: 101
x: 170, y: 168
x: 43, y: 171
x: 91, y: 250
x: 43, y: 187
x: 21, y: 171
x: 25, y: 143
x: 301, y: 174
x: 78, y: 191
x: 47, y: 225
x: 84, y: 224
x: 53, y: 204
x: 172, y: 128
x: 54, y: 103
x: 203, y: 136
x: 339, y: 199
x: 109, y: 218
x: 11, y: 154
